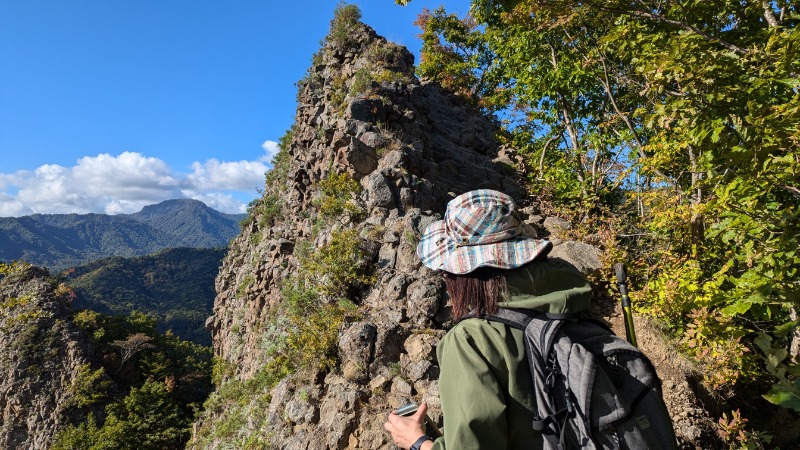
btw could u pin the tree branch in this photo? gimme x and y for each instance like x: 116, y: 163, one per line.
x: 791, y: 189
x: 685, y: 26
x: 769, y: 14
x: 544, y: 151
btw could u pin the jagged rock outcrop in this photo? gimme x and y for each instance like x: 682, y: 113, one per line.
x: 40, y: 360
x: 411, y: 147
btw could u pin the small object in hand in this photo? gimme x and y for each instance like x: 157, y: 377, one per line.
x: 430, y: 427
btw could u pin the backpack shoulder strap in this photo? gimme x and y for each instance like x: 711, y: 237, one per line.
x: 540, y: 330
x: 541, y: 324
x: 519, y: 318
x: 515, y: 318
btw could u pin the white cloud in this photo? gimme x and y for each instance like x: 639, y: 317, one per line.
x: 272, y: 149
x: 127, y: 182
x: 216, y: 175
x: 221, y: 202
x: 11, y: 207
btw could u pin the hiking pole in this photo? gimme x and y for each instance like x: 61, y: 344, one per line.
x: 622, y: 281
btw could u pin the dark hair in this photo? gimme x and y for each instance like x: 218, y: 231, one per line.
x: 478, y: 291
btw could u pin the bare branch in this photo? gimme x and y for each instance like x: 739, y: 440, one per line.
x: 792, y: 190
x: 132, y: 345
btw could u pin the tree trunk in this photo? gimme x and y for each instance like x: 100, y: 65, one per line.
x: 769, y: 14
x: 697, y: 224
x: 794, y: 344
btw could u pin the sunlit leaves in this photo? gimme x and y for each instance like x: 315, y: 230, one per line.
x: 693, y: 108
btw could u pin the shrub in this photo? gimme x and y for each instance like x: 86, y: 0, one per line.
x: 221, y: 369
x: 345, y: 20
x: 244, y: 285
x: 389, y: 76
x: 362, y: 82
x: 338, y: 91
x: 337, y: 196
x: 16, y: 268
x: 88, y: 387
x: 265, y: 210
x: 16, y: 311
x: 303, y: 336
x: 340, y: 266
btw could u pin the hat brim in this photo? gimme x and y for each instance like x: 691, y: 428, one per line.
x: 438, y: 251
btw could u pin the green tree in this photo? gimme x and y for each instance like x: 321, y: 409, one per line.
x: 689, y: 109
x: 146, y: 419
x: 152, y: 402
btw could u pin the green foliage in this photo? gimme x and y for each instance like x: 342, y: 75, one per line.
x: 244, y: 285
x: 147, y: 418
x: 221, y: 369
x: 314, y: 330
x: 362, y: 82
x: 16, y: 311
x: 84, y: 436
x: 338, y: 95
x: 265, y: 210
x: 237, y: 403
x: 340, y: 266
x: 154, y: 399
x: 715, y: 341
x: 268, y: 209
x: 456, y: 54
x: 176, y: 286
x: 344, y: 23
x: 301, y: 337
x: 389, y: 76
x: 786, y: 391
x: 337, y: 195
x: 13, y: 269
x: 674, y: 123
x: 89, y: 386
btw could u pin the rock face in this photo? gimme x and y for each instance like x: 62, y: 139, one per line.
x: 40, y: 361
x: 410, y: 147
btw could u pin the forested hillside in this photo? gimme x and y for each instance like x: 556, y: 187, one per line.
x: 669, y: 132
x: 83, y: 380
x: 58, y: 241
x: 176, y: 286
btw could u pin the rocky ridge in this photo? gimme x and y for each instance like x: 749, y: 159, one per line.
x: 410, y: 146
x: 41, y: 358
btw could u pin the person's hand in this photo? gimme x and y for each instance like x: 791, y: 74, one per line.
x: 406, y: 430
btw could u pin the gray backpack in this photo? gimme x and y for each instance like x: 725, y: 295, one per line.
x: 593, y: 389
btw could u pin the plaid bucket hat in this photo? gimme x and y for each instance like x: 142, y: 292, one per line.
x: 480, y: 228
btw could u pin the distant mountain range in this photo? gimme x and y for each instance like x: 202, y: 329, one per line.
x: 58, y: 241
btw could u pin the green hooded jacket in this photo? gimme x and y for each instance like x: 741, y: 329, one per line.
x: 484, y: 383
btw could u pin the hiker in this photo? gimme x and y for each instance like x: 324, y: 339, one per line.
x: 485, y: 383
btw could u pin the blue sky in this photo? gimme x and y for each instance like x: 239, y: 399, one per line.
x: 109, y: 106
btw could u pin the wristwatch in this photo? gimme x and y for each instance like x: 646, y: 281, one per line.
x: 419, y: 442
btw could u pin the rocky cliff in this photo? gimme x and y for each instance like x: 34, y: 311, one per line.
x: 42, y: 354
x: 324, y: 318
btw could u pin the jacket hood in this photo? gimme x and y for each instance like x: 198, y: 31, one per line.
x: 549, y: 285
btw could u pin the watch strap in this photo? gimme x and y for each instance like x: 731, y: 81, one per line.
x: 419, y: 442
